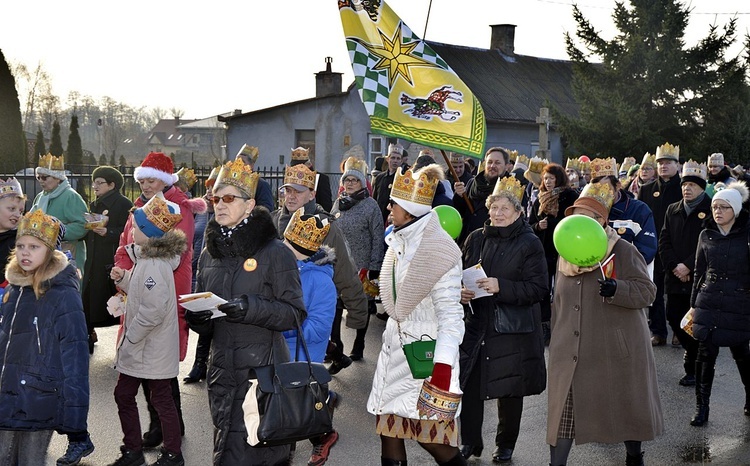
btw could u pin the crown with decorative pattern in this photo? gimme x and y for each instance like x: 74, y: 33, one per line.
x: 716, y: 159
x: 41, y: 226
x: 353, y: 163
x: 236, y: 173
x: 693, y: 168
x: 521, y: 162
x: 306, y: 232
x: 419, y: 190
x: 668, y: 151
x: 300, y: 176
x: 603, y: 192
x: 51, y: 165
x: 649, y: 160
x: 11, y: 188
x: 249, y: 152
x: 509, y: 184
x: 186, y: 176
x: 157, y: 216
x: 574, y: 164
x: 627, y: 163
x: 603, y: 167
x: 300, y: 154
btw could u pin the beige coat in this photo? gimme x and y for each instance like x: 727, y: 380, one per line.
x: 602, y: 349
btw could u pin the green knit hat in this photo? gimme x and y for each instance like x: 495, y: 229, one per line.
x: 110, y: 175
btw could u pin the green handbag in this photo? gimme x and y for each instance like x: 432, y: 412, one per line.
x: 419, y: 355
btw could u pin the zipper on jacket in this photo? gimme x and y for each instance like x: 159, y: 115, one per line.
x: 10, y: 335
x: 38, y: 339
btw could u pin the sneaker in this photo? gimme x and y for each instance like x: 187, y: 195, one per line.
x: 323, y: 449
x: 76, y: 451
x: 342, y: 363
x: 167, y: 458
x: 129, y: 458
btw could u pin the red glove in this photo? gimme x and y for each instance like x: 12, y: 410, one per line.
x: 441, y: 376
x: 362, y: 275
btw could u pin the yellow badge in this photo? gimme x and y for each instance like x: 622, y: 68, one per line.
x: 701, y: 215
x: 657, y: 194
x: 338, y: 214
x: 250, y: 265
x: 621, y: 231
x: 5, y: 297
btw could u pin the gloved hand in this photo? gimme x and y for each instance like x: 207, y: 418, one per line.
x: 362, y: 274
x: 607, y: 287
x: 373, y: 274
x: 441, y: 376
x: 235, y: 309
x: 197, y: 318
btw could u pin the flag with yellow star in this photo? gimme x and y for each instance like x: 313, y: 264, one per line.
x: 407, y: 89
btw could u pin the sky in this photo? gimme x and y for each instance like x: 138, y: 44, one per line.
x: 207, y: 58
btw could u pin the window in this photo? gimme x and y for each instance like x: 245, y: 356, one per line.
x: 377, y: 147
x: 306, y: 138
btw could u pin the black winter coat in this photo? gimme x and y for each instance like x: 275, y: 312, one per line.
x: 381, y: 192
x: 658, y: 196
x: 512, y: 365
x: 721, y: 292
x: 7, y: 243
x: 678, y: 240
x: 252, y: 262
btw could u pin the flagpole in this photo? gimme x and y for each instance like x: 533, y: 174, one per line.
x: 427, y: 20
x: 455, y: 177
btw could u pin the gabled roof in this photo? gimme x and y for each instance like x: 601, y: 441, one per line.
x: 210, y: 123
x: 511, y: 88
x: 167, y: 133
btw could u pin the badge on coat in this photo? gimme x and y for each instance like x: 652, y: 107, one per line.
x: 657, y: 194
x: 250, y: 265
x: 701, y: 215
x: 621, y: 230
x: 149, y: 283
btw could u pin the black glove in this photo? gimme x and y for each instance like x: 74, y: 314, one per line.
x: 197, y: 318
x: 235, y: 309
x: 373, y: 274
x: 607, y: 287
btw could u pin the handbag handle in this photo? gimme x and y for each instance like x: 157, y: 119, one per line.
x: 300, y: 337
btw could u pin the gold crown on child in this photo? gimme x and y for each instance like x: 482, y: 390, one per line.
x: 41, y: 226
x: 306, y: 233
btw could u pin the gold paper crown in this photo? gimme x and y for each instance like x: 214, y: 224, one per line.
x: 51, y: 162
x: 668, y: 151
x: 509, y: 184
x: 306, y: 233
x: 573, y: 163
x: 585, y: 165
x: 603, y: 167
x: 454, y: 157
x: 627, y: 163
x: 157, y: 212
x: 299, y: 174
x: 513, y: 155
x: 41, y: 226
x: 602, y: 192
x: 212, y: 177
x: 648, y: 159
x: 353, y: 163
x: 10, y: 188
x: 300, y: 153
x: 693, y: 168
x: 420, y: 190
x: 522, y: 161
x: 239, y: 175
x: 187, y: 177
x: 536, y: 164
x: 251, y: 152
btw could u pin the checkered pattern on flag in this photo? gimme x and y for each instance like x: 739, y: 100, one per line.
x: 406, y: 88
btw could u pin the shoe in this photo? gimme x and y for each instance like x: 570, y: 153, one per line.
x: 502, y: 455
x: 634, y: 460
x: 676, y: 342
x: 656, y: 340
x: 323, y: 449
x: 197, y: 373
x: 152, y: 438
x: 355, y: 356
x: 167, y: 458
x: 687, y: 380
x: 336, y: 366
x: 382, y: 315
x: 358, y: 348
x: 468, y: 451
x: 93, y: 338
x: 76, y: 451
x: 333, y: 399
x: 129, y: 458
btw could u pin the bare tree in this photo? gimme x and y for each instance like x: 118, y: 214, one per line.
x: 176, y: 112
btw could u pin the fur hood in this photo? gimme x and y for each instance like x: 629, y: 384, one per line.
x: 245, y: 241
x: 16, y: 276
x: 197, y: 205
x: 324, y: 255
x: 173, y: 243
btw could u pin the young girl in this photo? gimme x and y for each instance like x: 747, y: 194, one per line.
x: 44, y: 384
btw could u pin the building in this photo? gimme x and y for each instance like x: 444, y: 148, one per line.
x: 190, y: 141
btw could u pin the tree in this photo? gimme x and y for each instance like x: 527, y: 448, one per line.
x: 12, y: 139
x: 649, y: 88
x: 74, y: 154
x: 103, y: 159
x: 39, y: 147
x: 112, y: 160
x: 123, y: 162
x: 55, y: 144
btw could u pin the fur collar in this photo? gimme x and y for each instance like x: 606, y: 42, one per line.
x: 173, y: 243
x: 16, y: 276
x: 245, y: 241
x: 324, y: 255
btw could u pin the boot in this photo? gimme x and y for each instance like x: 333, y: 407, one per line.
x: 743, y: 366
x: 389, y: 462
x: 457, y: 460
x: 688, y: 380
x: 197, y: 373
x: 634, y: 460
x: 704, y: 379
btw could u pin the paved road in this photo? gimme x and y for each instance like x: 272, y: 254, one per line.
x: 724, y: 441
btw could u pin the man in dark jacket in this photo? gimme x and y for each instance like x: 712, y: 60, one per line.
x: 381, y: 188
x: 459, y: 165
x: 323, y: 193
x: 263, y: 194
x: 658, y: 196
x: 678, y: 240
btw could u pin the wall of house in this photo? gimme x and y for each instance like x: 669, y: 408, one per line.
x: 522, y: 137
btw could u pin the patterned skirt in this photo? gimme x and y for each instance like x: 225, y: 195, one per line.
x: 424, y: 431
x: 567, y: 421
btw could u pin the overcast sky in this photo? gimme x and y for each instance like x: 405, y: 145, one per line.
x: 212, y: 57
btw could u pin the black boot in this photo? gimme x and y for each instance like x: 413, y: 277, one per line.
x: 634, y: 460
x: 688, y: 380
x: 389, y: 462
x: 197, y: 373
x: 457, y: 460
x: 744, y: 367
x: 704, y: 379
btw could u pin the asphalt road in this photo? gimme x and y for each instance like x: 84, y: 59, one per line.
x: 725, y: 440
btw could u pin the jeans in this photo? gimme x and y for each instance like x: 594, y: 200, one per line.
x: 24, y: 448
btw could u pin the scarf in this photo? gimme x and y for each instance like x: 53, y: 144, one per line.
x: 689, y: 206
x: 48, y: 196
x: 570, y: 270
x: 549, y: 201
x: 227, y: 232
x: 481, y: 188
x: 347, y: 201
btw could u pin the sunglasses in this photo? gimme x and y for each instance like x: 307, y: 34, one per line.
x: 42, y: 177
x: 227, y: 198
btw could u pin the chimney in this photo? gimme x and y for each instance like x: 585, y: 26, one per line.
x: 327, y: 82
x: 237, y: 111
x: 503, y: 38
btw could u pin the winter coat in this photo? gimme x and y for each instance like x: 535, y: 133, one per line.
x: 511, y: 365
x: 678, y: 240
x: 149, y: 345
x: 381, y: 192
x: 565, y: 200
x: 7, y: 243
x: 183, y: 275
x: 44, y: 378
x: 362, y: 227
x: 319, y: 292
x: 658, y: 196
x: 601, y: 350
x: 634, y: 222
x: 721, y: 290
x: 323, y: 192
x: 263, y: 196
x: 345, y: 274
x: 97, y: 286
x: 438, y: 314
x: 252, y: 263
x: 69, y: 208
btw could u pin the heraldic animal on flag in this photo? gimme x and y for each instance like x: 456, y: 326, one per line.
x: 407, y: 89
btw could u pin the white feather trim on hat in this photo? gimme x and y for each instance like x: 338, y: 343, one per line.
x: 142, y: 173
x: 60, y: 175
x: 736, y: 193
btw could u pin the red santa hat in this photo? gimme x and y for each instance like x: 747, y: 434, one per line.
x: 156, y: 165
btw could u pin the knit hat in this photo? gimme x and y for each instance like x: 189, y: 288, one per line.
x: 716, y: 159
x: 157, y: 216
x: 595, y: 197
x: 735, y: 194
x: 634, y: 169
x: 423, y: 160
x: 356, y: 168
x: 11, y: 188
x: 110, y: 175
x: 694, y: 172
x: 156, y: 165
x: 46, y: 228
x: 49, y: 165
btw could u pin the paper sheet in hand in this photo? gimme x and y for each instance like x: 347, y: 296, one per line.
x: 203, y: 302
x: 471, y: 275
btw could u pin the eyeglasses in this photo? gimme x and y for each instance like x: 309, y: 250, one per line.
x: 42, y: 177
x: 227, y: 198
x: 720, y: 208
x: 98, y: 183
x: 350, y: 180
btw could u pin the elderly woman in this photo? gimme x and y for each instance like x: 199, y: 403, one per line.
x: 420, y: 286
x: 101, y: 244
x: 602, y: 376
x: 720, y: 294
x: 497, y: 363
x: 245, y: 263
x: 358, y: 216
x: 11, y: 210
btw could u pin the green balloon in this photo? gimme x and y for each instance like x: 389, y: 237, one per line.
x: 450, y: 220
x: 580, y: 240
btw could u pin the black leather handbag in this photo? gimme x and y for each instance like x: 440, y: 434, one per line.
x: 514, y: 318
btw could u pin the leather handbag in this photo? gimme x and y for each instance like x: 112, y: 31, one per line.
x: 287, y: 402
x: 514, y: 318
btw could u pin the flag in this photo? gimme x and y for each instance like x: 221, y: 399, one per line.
x: 407, y: 89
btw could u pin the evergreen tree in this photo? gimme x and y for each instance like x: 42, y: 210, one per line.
x: 92, y: 159
x: 123, y: 162
x: 112, y: 160
x: 103, y: 159
x: 13, y: 149
x: 39, y: 147
x: 650, y: 88
x: 55, y: 144
x: 74, y: 154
